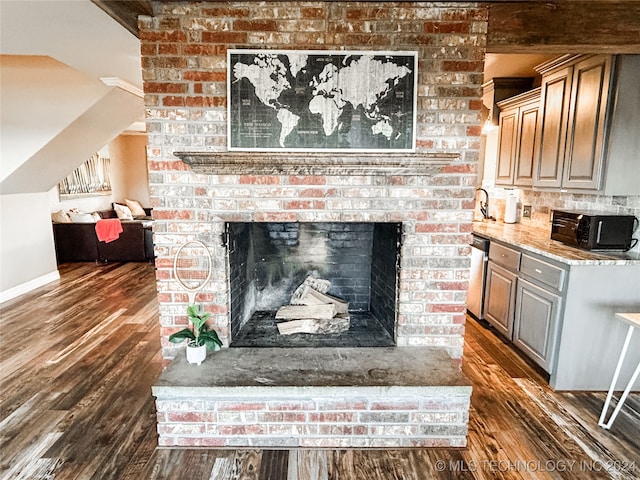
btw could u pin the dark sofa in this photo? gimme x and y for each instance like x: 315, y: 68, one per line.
x: 78, y: 242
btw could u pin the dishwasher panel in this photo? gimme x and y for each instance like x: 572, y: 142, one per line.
x: 479, y: 260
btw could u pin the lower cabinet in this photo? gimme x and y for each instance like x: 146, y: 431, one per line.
x: 523, y: 301
x: 500, y: 297
x: 561, y: 315
x: 536, y: 322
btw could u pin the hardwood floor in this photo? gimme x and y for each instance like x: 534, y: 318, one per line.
x: 79, y: 356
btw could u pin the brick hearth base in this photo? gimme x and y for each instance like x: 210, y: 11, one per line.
x: 322, y: 397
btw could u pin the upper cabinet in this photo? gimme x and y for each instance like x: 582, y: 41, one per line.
x: 517, y: 139
x: 574, y: 103
x: 622, y: 150
x: 588, y: 124
x: 555, y: 100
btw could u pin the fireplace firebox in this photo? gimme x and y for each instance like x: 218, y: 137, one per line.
x: 269, y: 260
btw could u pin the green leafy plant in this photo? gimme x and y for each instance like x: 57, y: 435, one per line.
x: 200, y: 334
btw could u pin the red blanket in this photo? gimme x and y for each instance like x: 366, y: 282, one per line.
x: 108, y: 229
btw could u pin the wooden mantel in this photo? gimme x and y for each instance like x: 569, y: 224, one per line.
x: 313, y: 163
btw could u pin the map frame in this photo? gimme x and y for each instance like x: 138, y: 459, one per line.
x: 234, y: 102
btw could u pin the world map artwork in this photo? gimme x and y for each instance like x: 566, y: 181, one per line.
x: 310, y: 100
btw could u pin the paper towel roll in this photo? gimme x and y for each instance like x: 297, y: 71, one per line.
x: 511, y: 208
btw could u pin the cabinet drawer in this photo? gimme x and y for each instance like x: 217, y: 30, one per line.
x: 504, y: 256
x: 543, y: 272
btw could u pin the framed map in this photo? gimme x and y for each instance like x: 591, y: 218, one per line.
x: 293, y: 100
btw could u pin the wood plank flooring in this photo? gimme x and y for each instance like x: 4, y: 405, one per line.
x: 78, y: 358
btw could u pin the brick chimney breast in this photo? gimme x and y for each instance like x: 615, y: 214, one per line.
x: 429, y: 191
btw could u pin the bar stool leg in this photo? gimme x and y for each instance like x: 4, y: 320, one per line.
x: 623, y: 353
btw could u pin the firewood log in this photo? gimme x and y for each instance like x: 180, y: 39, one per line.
x: 326, y: 311
x: 310, y: 296
x: 338, y: 324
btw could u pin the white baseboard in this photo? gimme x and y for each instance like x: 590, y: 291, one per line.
x: 28, y: 286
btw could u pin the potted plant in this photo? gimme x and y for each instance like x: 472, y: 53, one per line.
x: 199, y: 338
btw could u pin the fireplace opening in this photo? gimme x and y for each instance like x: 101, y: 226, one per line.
x: 268, y: 261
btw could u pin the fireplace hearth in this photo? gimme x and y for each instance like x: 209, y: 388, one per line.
x: 317, y: 397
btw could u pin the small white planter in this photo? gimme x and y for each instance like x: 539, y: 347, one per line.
x: 196, y: 354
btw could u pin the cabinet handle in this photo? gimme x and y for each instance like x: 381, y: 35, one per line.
x: 538, y: 270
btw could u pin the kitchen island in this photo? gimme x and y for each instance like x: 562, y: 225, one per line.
x: 558, y: 304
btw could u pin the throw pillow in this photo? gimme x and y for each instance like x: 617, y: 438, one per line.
x: 123, y: 212
x: 81, y: 217
x: 60, y: 217
x: 135, y: 207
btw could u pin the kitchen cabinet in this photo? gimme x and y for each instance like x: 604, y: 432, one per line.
x: 524, y: 301
x: 500, y: 298
x: 516, y: 139
x: 538, y: 309
x: 589, y: 109
x: 552, y: 126
x: 537, y: 317
x: 586, y: 126
x: 500, y: 288
x: 574, y: 95
x: 506, y: 146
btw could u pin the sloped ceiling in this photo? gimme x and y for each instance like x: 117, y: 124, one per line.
x: 74, y: 32
x: 54, y: 109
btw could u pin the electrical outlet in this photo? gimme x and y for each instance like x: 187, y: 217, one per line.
x: 526, y: 211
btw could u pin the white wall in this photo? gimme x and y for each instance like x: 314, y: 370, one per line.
x: 83, y: 204
x: 129, y: 173
x: 27, y: 252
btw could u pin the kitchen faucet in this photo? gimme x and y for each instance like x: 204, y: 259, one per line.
x: 484, y: 206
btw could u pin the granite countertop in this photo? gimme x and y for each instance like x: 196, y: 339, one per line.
x: 538, y: 240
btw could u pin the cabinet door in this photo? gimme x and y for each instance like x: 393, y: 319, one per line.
x: 527, y: 128
x: 507, y: 146
x: 552, y: 126
x: 585, y: 138
x: 536, y: 322
x: 499, y: 300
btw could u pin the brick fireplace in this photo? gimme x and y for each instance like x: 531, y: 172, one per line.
x: 201, y: 191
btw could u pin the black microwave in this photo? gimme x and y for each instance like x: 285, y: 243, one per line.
x: 593, y: 230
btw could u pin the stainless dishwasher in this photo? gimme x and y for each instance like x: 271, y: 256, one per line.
x: 479, y: 260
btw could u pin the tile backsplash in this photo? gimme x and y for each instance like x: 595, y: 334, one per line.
x: 543, y: 203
